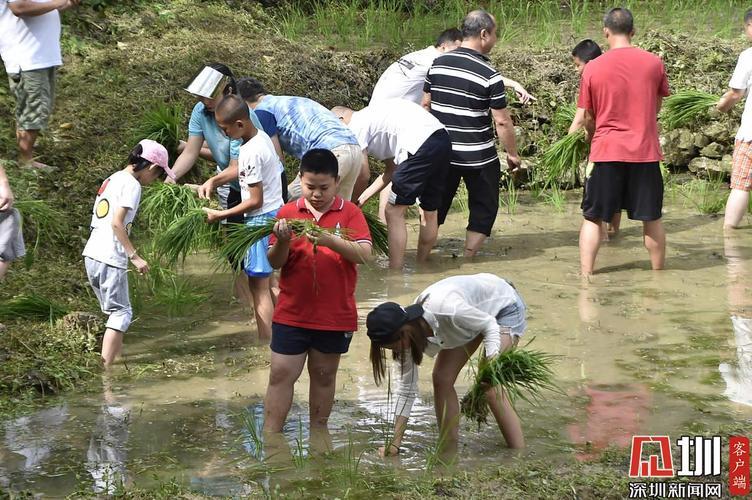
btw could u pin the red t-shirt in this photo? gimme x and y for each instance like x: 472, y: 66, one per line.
x: 324, y: 298
x: 623, y: 88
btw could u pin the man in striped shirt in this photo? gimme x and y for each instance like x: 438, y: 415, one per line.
x: 461, y: 88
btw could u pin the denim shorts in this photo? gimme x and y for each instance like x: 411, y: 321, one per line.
x: 256, y: 263
x: 513, y: 317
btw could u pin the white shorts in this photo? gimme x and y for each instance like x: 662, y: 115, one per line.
x: 11, y: 238
x: 110, y: 285
x: 349, y: 161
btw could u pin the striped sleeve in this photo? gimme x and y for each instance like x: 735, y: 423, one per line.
x: 497, y: 92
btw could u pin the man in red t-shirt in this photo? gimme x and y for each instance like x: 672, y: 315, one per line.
x: 621, y: 94
x: 315, y: 315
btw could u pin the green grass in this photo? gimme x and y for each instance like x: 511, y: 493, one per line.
x: 559, y: 162
x: 49, y: 224
x: 163, y: 123
x: 361, y: 24
x: 177, y: 296
x: 187, y: 234
x: 164, y: 203
x: 31, y: 307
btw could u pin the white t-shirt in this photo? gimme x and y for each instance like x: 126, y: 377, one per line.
x: 741, y: 80
x: 393, y: 128
x: 120, y: 189
x: 457, y: 309
x: 258, y: 162
x: 29, y: 42
x: 404, y: 78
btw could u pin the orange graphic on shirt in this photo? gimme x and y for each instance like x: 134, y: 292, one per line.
x: 103, y: 186
x: 103, y: 208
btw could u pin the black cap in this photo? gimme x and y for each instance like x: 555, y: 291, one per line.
x: 384, y: 321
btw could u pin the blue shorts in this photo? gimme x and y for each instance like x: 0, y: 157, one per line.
x: 513, y: 317
x: 292, y: 340
x: 256, y: 264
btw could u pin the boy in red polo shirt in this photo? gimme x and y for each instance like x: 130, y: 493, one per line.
x: 316, y: 313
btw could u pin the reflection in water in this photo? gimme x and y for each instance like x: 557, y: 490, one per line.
x: 614, y: 412
x: 739, y: 378
x: 27, y: 449
x: 106, y: 455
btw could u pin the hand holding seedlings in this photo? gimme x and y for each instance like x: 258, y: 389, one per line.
x: 212, y: 215
x: 205, y: 190
x: 282, y: 230
x: 140, y: 264
x: 321, y: 238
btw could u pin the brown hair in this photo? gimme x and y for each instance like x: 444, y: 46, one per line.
x: 414, y: 331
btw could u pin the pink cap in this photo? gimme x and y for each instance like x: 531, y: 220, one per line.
x: 157, y: 154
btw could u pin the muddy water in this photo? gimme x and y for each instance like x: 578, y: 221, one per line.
x: 640, y: 352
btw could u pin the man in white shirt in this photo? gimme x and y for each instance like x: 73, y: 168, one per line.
x: 416, y: 150
x: 741, y: 175
x: 30, y: 49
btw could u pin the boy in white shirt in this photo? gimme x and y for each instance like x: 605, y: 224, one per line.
x: 741, y: 173
x: 259, y: 175
x: 416, y: 150
x: 109, y: 247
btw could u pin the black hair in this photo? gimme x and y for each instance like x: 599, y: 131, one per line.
x: 586, y: 50
x: 232, y: 86
x: 417, y: 341
x: 477, y: 21
x: 319, y: 161
x: 748, y: 16
x: 448, y: 35
x: 619, y: 21
x: 251, y: 89
x: 232, y: 108
x: 134, y: 158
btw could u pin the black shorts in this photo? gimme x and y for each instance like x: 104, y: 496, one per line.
x: 613, y: 186
x: 482, y: 196
x: 423, y: 174
x: 233, y: 200
x: 293, y: 340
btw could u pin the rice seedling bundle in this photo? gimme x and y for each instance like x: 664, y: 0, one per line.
x: 31, y: 307
x: 240, y: 237
x: 164, y: 203
x: 186, y: 234
x: 520, y: 373
x: 685, y: 107
x: 562, y: 157
x: 563, y: 117
x: 379, y: 237
x: 162, y: 123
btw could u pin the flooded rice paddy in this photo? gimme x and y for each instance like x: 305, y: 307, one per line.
x: 640, y: 352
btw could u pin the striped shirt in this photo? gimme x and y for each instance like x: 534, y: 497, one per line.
x: 464, y: 87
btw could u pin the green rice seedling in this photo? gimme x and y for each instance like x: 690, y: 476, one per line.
x: 685, y: 107
x: 240, y: 237
x: 562, y: 159
x: 520, y: 373
x: 510, y: 198
x: 164, y: 203
x: 555, y: 197
x: 299, y: 454
x: 460, y: 201
x: 31, y: 307
x: 707, y: 196
x: 378, y: 230
x: 178, y: 295
x: 563, y: 117
x: 253, y: 433
x: 187, y: 234
x: 162, y: 123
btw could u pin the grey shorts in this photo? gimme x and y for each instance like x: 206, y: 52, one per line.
x: 11, y: 238
x: 349, y: 161
x: 512, y: 317
x: 110, y: 285
x: 35, y: 94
